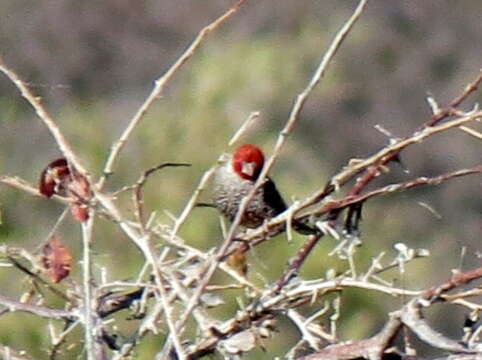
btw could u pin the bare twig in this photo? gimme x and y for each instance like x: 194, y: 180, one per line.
x: 292, y: 296
x: 58, y: 340
x: 191, y: 203
x: 471, y: 132
x: 371, y: 348
x: 412, y: 318
x: 138, y: 198
x: 42, y: 113
x: 160, y: 83
x: 23, y: 185
x: 41, y: 311
x: 392, y: 188
x: 469, y: 89
x: 8, y: 353
x: 173, y: 335
x: 90, y: 318
x: 303, y: 96
x: 111, y: 210
x: 458, y: 279
x: 253, y: 117
x: 12, y: 253
x: 302, y: 325
x: 298, y: 260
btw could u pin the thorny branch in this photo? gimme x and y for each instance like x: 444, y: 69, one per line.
x: 411, y: 317
x: 41, y: 311
x: 138, y: 198
x: 370, y: 164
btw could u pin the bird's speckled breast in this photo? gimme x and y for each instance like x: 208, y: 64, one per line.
x: 230, y: 190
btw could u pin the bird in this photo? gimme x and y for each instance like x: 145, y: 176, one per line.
x: 233, y: 181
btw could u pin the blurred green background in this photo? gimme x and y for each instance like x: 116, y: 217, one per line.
x: 95, y: 62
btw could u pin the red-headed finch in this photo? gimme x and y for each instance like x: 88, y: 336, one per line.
x: 235, y: 178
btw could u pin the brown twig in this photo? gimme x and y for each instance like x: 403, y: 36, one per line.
x: 469, y: 89
x: 295, y: 264
x: 252, y: 118
x: 458, y: 279
x: 139, y: 185
x: 351, y: 200
x: 371, y: 348
x: 375, y: 169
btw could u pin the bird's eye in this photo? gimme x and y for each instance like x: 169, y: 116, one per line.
x: 248, y: 168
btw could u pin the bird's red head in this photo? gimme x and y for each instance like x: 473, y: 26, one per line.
x: 248, y: 161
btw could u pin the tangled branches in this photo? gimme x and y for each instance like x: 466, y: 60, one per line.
x: 174, y: 289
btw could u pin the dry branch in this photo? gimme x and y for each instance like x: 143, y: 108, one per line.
x: 371, y: 164
x: 412, y: 318
x: 41, y: 311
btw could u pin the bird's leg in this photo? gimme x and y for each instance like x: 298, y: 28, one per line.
x: 353, y: 219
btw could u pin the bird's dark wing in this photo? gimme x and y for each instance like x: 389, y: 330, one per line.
x: 272, y: 196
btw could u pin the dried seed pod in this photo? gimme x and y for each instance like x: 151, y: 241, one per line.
x: 58, y: 178
x: 56, y: 259
x: 53, y: 178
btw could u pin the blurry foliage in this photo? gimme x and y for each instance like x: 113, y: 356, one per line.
x: 95, y: 61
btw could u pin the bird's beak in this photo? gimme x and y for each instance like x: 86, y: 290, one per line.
x: 248, y: 168
x: 224, y: 158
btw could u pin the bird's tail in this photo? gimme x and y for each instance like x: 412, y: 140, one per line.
x: 304, y: 228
